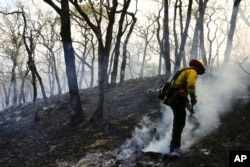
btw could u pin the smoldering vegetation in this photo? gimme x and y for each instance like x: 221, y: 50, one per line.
x: 146, y: 126
x: 218, y: 91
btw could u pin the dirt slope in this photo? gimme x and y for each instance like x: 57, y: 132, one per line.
x: 51, y: 141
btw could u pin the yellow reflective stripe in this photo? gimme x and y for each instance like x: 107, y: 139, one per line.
x: 188, y: 78
x: 191, y: 81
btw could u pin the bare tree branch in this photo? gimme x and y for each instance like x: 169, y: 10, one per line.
x: 240, y: 64
x: 10, y: 13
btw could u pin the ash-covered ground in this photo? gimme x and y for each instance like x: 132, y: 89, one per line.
x: 132, y: 111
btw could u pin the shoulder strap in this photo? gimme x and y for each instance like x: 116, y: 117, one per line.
x: 177, y: 73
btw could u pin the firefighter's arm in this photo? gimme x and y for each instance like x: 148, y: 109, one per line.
x: 191, y: 82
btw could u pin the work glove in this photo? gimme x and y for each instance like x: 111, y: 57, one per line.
x: 193, y: 99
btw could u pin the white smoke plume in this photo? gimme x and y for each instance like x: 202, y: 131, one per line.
x: 215, y: 91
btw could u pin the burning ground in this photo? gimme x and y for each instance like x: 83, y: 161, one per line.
x: 132, y: 111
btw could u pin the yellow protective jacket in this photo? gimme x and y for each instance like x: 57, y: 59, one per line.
x: 186, y: 80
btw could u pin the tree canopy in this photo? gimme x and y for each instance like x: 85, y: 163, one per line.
x: 107, y: 42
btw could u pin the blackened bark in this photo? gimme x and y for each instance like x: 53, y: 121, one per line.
x: 166, y: 45
x: 118, y: 43
x: 202, y: 8
x: 159, y: 39
x: 103, y: 57
x: 198, y: 37
x: 42, y: 86
x: 69, y: 56
x: 31, y: 65
x: 102, y: 73
x: 124, y: 54
x: 181, y: 53
x: 75, y: 106
x: 231, y: 31
x: 176, y: 44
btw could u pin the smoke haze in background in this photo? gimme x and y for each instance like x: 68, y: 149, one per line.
x: 214, y: 91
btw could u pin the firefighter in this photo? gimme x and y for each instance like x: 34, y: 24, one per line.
x: 185, y: 87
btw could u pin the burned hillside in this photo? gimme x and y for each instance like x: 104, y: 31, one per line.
x: 53, y: 142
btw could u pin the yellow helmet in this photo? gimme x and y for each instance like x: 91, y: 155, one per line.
x: 198, y: 65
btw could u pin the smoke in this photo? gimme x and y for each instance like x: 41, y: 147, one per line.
x: 215, y: 91
x: 216, y: 94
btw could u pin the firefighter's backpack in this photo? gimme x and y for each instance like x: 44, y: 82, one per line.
x: 167, y: 89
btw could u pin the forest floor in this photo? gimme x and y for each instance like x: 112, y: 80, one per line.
x: 53, y: 142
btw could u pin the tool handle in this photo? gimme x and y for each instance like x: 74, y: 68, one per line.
x: 190, y: 108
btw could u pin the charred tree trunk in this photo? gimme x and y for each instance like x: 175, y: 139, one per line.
x: 31, y: 65
x: 198, y: 38
x: 69, y: 56
x: 176, y: 6
x: 231, y: 31
x: 195, y: 42
x: 22, y: 94
x: 92, y: 66
x: 104, y: 46
x: 6, y: 96
x: 59, y: 88
x: 166, y: 45
x: 41, y: 84
x: 159, y: 39
x: 181, y: 53
x: 124, y: 54
x: 202, y: 8
x: 103, y: 58
x: 75, y: 106
x: 13, y: 82
x: 102, y: 73
x: 118, y: 43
